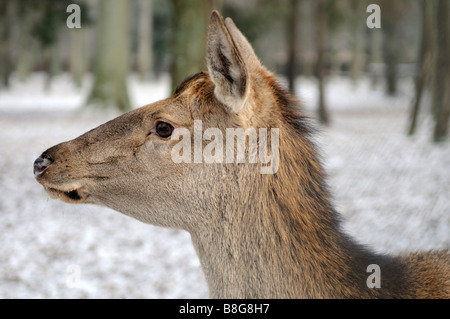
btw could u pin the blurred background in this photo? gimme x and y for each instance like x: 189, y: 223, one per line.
x: 377, y: 84
x: 153, y: 38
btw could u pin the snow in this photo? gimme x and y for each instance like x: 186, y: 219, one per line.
x: 392, y: 191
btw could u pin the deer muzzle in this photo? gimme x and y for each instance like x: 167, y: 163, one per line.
x: 68, y: 192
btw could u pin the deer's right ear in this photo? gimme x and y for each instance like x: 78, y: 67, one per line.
x: 226, y: 65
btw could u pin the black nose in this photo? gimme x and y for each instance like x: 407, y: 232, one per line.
x: 40, y: 165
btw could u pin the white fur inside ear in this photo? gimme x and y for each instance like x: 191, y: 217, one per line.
x: 234, y: 103
x: 230, y: 92
x: 226, y: 68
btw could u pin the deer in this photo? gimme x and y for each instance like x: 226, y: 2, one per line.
x: 256, y: 235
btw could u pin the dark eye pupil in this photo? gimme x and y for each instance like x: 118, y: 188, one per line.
x: 164, y: 129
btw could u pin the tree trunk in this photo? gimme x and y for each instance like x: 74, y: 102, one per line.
x: 359, y: 37
x: 111, y: 56
x: 391, y: 56
x: 321, y: 46
x: 190, y: 18
x: 145, y: 39
x: 422, y: 64
x: 441, y: 94
x: 78, y: 56
x: 27, y: 46
x: 291, y: 70
x: 53, y: 57
x: 307, y: 30
x: 376, y: 55
x: 7, y: 18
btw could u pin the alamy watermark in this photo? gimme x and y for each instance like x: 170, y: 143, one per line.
x: 374, y: 19
x: 73, y: 278
x: 74, y: 19
x: 233, y: 150
x: 374, y: 280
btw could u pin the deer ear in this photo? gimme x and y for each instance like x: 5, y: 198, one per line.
x: 226, y: 65
x: 251, y: 60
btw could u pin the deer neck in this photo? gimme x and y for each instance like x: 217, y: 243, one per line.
x: 278, y: 239
x: 256, y: 257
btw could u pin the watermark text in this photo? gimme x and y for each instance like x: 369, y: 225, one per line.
x: 240, y: 146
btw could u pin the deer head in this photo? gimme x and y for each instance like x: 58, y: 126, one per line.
x: 127, y: 163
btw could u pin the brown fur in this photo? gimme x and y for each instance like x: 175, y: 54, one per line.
x: 257, y: 236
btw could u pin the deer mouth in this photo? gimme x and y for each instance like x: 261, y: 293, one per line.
x: 74, y: 196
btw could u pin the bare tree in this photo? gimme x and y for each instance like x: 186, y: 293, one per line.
x: 7, y: 12
x: 357, y: 27
x: 111, y: 56
x: 292, y: 37
x: 321, y: 30
x: 424, y: 63
x: 190, y: 21
x: 144, y: 58
x: 392, y: 13
x: 441, y: 94
x: 77, y: 57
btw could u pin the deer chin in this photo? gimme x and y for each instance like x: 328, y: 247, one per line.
x: 71, y: 195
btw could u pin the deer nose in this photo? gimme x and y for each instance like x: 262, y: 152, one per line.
x: 40, y: 165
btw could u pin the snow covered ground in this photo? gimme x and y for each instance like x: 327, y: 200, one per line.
x: 393, y: 192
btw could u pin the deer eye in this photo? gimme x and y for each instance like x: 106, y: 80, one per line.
x: 164, y: 129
